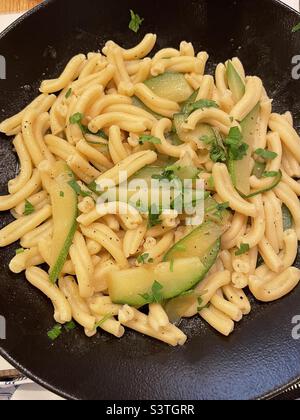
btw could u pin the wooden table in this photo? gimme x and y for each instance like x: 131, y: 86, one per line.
x: 9, y: 6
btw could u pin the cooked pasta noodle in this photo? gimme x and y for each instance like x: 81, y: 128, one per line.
x: 122, y: 116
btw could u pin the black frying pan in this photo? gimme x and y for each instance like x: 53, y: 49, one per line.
x: 260, y: 357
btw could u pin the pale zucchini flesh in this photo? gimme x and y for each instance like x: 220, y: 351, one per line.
x: 240, y: 170
x: 64, y: 210
x: 172, y: 86
x: 235, y: 82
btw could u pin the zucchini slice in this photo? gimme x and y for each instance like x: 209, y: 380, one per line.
x: 240, y: 170
x: 172, y: 86
x: 235, y: 82
x: 64, y: 206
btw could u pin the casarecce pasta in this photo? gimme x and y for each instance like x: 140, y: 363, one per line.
x: 115, y: 118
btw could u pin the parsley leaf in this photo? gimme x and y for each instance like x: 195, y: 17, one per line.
x: 143, y: 259
x: 69, y: 93
x: 237, y: 150
x: 271, y: 174
x: 243, y: 249
x: 103, y: 320
x: 61, y: 194
x: 20, y: 251
x: 149, y: 139
x: 296, y: 28
x: 203, y: 103
x: 211, y: 183
x: 29, y: 208
x: 55, y: 332
x: 135, y: 22
x: 266, y: 154
x: 218, y: 154
x: 69, y: 326
x: 217, y: 149
x: 200, y: 303
x: 77, y: 119
x: 73, y: 184
x: 155, y: 296
x: 154, y: 216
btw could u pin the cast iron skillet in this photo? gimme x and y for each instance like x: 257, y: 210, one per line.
x: 260, y: 357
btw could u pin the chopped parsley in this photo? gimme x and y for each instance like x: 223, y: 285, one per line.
x: 69, y: 93
x: 237, y: 150
x: 135, y: 21
x: 217, y: 149
x: 203, y: 103
x: 149, y: 139
x: 211, y: 183
x: 200, y: 303
x: 20, y: 251
x: 155, y: 296
x: 154, y: 216
x: 266, y: 154
x: 271, y: 174
x: 144, y: 258
x: 69, y: 326
x: 73, y: 184
x: 29, y: 208
x: 103, y: 320
x: 61, y: 194
x: 244, y: 248
x: 77, y: 119
x: 218, y: 209
x: 172, y: 265
x: 296, y: 28
x: 55, y: 332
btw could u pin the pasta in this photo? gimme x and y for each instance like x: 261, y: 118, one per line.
x: 113, y: 119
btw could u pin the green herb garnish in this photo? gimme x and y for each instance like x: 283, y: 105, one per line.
x: 103, y: 320
x: 172, y: 265
x: 154, y: 216
x: 155, y: 296
x: 296, y: 28
x: 149, y: 139
x: 29, y: 208
x: 69, y: 326
x: 211, y: 183
x: 73, y: 184
x: 61, y: 194
x: 143, y: 259
x: 203, y: 103
x: 243, y: 249
x: 77, y: 119
x: 200, y: 303
x: 55, y: 332
x: 237, y: 150
x: 266, y: 154
x: 69, y: 93
x: 135, y: 21
x: 20, y: 251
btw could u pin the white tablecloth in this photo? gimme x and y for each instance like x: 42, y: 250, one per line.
x: 33, y: 391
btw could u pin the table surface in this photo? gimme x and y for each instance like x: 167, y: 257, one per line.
x: 33, y: 391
